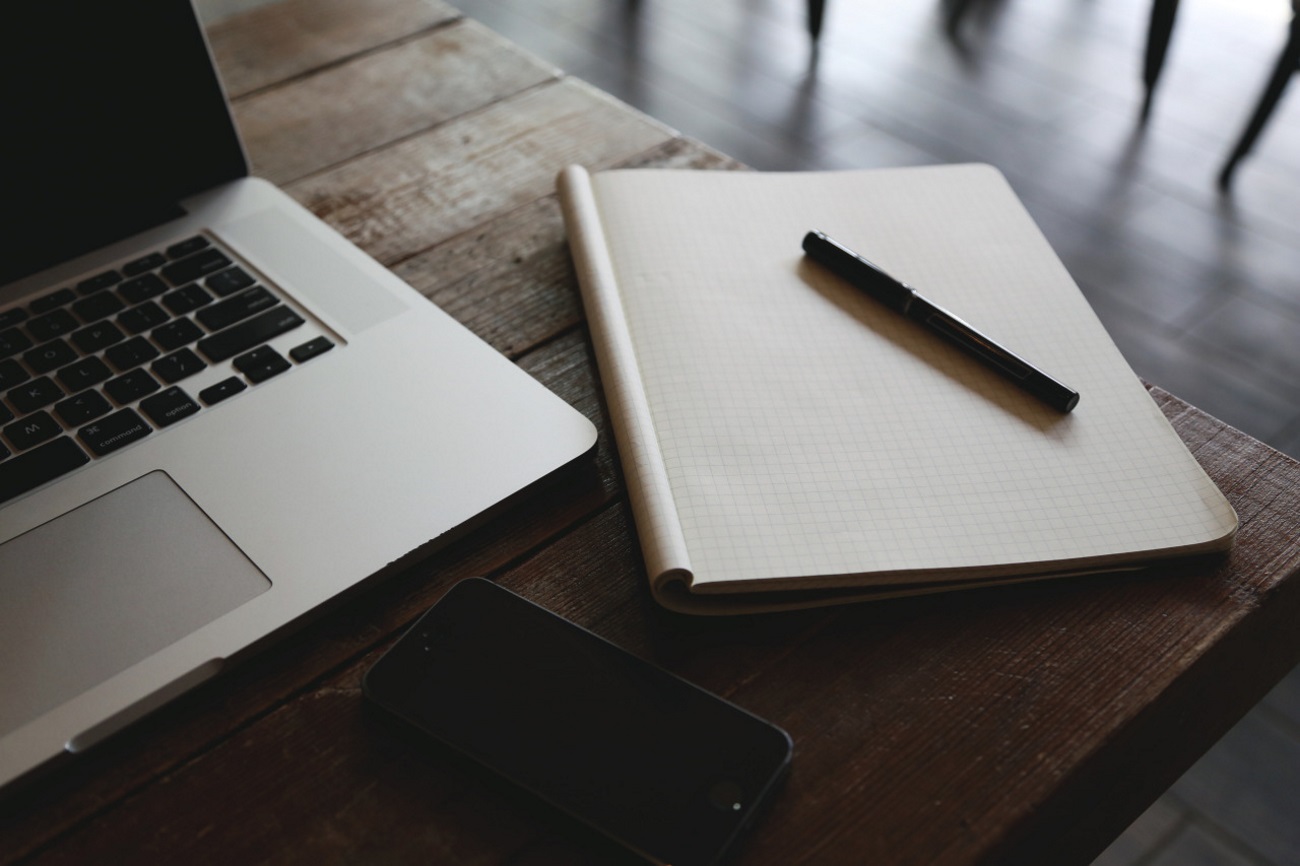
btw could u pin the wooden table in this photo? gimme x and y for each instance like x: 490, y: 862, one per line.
x: 1014, y: 725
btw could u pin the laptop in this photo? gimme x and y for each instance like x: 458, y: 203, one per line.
x: 216, y: 414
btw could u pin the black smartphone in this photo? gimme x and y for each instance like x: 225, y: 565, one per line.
x: 655, y: 763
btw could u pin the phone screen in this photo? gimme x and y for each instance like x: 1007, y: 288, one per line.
x: 665, y: 768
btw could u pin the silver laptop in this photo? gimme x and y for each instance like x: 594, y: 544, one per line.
x: 216, y: 414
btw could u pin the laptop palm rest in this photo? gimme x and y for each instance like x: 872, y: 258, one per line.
x: 105, y: 586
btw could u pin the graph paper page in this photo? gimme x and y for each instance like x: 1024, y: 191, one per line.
x: 808, y: 432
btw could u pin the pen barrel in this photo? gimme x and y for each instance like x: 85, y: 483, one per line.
x: 902, y: 298
x: 1000, y: 360
x: 853, y: 268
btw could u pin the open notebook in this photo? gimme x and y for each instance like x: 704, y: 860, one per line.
x: 789, y: 441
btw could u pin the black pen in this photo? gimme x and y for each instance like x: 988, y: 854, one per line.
x: 845, y: 263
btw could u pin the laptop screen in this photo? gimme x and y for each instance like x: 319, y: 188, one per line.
x: 112, y: 113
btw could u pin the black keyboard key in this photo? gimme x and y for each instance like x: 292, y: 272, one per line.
x: 177, y: 365
x: 99, y: 282
x: 12, y: 317
x: 12, y: 373
x: 229, y: 281
x: 31, y: 430
x: 97, y: 307
x: 141, y: 289
x: 144, y: 263
x: 250, y: 333
x: 225, y: 313
x: 130, y: 387
x: 5, y: 414
x: 48, y: 356
x: 261, y: 364
x: 200, y: 264
x: 175, y: 334
x: 4, y: 452
x: 34, y: 395
x: 169, y: 406
x: 116, y: 431
x: 83, y: 407
x: 311, y: 349
x: 132, y: 353
x: 53, y: 300
x: 32, y: 469
x: 222, y: 390
x: 83, y: 374
x: 96, y: 337
x: 186, y: 299
x: 187, y: 247
x: 12, y: 342
x: 51, y: 325
x: 142, y: 318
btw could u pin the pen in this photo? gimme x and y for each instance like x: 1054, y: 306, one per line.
x: 902, y: 298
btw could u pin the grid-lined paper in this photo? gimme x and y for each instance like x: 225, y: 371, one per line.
x: 805, y: 431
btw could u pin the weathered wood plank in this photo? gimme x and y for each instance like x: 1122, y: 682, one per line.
x: 418, y: 192
x: 355, y: 107
x: 276, y: 41
x: 230, y: 806
x: 511, y: 280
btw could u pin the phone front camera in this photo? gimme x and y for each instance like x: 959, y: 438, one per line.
x: 726, y: 796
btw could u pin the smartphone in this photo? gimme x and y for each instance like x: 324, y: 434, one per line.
x: 659, y: 765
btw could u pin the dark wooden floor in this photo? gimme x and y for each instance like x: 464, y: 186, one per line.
x: 1201, y: 292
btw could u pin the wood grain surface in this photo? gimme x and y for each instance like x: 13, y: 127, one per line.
x: 1022, y: 724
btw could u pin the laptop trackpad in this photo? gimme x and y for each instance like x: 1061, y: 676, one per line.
x: 91, y: 593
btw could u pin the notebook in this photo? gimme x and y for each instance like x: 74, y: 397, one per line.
x: 217, y: 414
x: 789, y: 441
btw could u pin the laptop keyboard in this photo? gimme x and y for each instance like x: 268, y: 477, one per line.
x: 90, y: 368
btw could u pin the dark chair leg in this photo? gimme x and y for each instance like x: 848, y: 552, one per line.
x: 956, y: 11
x: 1287, y: 65
x: 816, y: 12
x: 1158, y: 32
